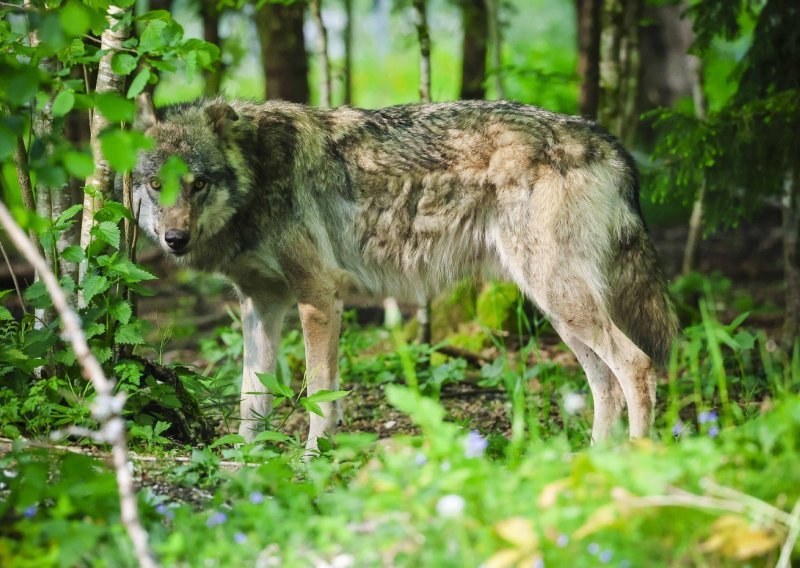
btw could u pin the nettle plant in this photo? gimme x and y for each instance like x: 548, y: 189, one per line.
x: 71, y: 70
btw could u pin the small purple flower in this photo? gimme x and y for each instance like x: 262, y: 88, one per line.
x: 593, y: 548
x: 538, y: 563
x: 474, y: 445
x: 562, y: 541
x: 420, y: 459
x: 713, y: 431
x: 677, y: 429
x: 256, y: 497
x: 217, y: 518
x: 605, y: 556
x: 165, y: 511
x: 709, y: 416
x: 240, y: 538
x: 30, y: 512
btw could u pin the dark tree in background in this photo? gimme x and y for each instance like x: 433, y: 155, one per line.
x: 347, y: 71
x: 210, y: 14
x: 619, y: 67
x: 588, y: 12
x: 475, y: 21
x: 283, y: 51
x: 770, y: 155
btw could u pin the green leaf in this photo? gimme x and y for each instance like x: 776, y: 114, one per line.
x: 170, y: 175
x: 113, y: 211
x: 115, y: 108
x: 72, y: 253
x: 22, y: 85
x: 36, y: 294
x: 311, y: 406
x: 108, y: 232
x: 75, y: 19
x: 123, y: 267
x: 79, y: 164
x: 63, y: 103
x: 120, y: 147
x: 123, y: 63
x: 93, y: 285
x: 270, y: 380
x: 93, y: 329
x: 122, y: 311
x: 271, y: 436
x: 5, y: 314
x: 159, y: 34
x: 139, y: 82
x: 130, y: 334
x: 327, y: 395
x: 228, y: 440
x: 8, y: 142
x: 69, y: 214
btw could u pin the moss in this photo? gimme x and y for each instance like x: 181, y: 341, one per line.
x: 497, y: 306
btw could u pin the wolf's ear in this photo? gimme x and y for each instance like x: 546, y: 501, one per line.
x: 222, y: 117
x: 145, y: 113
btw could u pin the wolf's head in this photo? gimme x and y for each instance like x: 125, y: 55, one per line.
x: 201, y: 134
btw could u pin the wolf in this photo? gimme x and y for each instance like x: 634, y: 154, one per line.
x: 291, y: 202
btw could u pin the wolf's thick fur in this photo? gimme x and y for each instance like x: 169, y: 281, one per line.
x: 289, y: 201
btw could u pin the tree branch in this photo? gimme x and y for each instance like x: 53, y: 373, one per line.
x: 107, y: 408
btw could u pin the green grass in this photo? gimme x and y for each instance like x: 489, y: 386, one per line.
x: 713, y: 487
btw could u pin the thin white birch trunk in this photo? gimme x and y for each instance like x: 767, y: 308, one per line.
x: 107, y: 408
x: 322, y: 51
x: 496, y: 49
x: 424, y: 332
x: 101, y: 182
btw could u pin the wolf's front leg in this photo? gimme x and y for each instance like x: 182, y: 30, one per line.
x: 321, y: 316
x: 261, y: 326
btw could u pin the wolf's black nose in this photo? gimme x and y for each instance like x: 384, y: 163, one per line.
x: 177, y: 239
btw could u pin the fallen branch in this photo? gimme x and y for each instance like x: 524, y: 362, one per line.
x: 7, y: 444
x: 474, y: 359
x: 107, y: 407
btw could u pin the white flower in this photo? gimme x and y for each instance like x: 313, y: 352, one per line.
x: 474, y: 445
x: 450, y: 506
x: 574, y: 403
x: 342, y: 561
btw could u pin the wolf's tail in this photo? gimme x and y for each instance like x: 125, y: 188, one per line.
x: 640, y: 305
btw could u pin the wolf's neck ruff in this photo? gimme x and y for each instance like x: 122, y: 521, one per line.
x: 408, y: 199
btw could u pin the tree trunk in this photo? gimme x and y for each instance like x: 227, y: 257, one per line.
x: 25, y: 187
x: 496, y: 41
x: 425, y: 51
x: 348, y: 52
x: 588, y: 12
x: 101, y: 182
x: 790, y: 209
x: 666, y: 75
x: 322, y: 53
x: 424, y: 311
x: 473, y: 61
x: 619, y: 67
x: 696, y: 220
x: 283, y: 51
x: 210, y: 16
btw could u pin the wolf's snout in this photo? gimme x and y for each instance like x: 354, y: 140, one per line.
x: 177, y: 239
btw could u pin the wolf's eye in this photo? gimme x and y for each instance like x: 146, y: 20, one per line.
x: 199, y: 184
x: 155, y: 184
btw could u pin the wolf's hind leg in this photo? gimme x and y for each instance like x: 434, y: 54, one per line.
x: 261, y: 328
x: 320, y: 315
x: 609, y: 400
x: 631, y: 366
